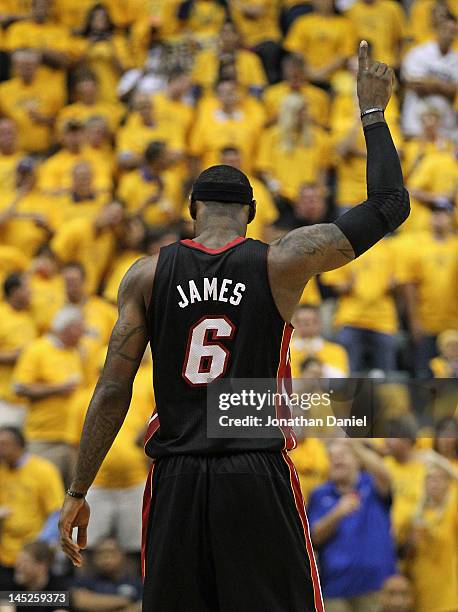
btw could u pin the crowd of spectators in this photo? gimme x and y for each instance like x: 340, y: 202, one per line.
x: 108, y: 111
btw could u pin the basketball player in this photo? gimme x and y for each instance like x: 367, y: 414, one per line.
x: 224, y: 526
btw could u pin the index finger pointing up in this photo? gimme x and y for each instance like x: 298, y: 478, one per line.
x: 363, y: 56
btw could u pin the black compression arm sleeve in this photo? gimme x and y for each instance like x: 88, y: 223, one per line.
x: 387, y: 205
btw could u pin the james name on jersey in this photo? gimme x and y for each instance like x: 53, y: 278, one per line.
x: 212, y: 289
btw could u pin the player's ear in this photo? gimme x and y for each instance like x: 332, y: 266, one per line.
x: 252, y: 214
x: 192, y: 208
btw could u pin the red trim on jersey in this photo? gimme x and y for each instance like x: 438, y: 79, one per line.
x: 300, y: 506
x: 201, y: 247
x: 282, y: 409
x: 147, y: 495
x: 153, y: 426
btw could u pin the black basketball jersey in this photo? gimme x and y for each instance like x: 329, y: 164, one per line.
x: 211, y: 316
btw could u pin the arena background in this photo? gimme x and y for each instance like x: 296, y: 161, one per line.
x: 107, y: 113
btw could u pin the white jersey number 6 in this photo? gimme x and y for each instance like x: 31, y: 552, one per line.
x: 206, y: 358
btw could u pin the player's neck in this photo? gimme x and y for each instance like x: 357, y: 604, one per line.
x: 216, y: 239
x: 218, y: 233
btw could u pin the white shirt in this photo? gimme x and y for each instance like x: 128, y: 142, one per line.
x: 424, y: 61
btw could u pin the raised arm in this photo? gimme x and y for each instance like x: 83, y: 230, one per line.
x: 372, y: 463
x: 110, y: 401
x: 307, y: 251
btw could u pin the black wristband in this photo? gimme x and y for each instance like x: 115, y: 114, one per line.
x: 75, y: 494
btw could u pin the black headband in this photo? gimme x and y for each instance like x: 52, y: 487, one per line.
x: 236, y: 193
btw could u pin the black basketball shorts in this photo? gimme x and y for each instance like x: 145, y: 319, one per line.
x: 227, y: 534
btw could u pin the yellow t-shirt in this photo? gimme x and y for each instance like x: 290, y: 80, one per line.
x: 331, y: 354
x: 43, y: 361
x: 112, y: 113
x: 421, y: 27
x: 257, y: 30
x: 73, y: 14
x: 266, y: 211
x: 99, y: 318
x: 440, y: 368
x: 67, y: 209
x: 304, y: 163
x: 312, y: 464
x: 140, y: 33
x: 205, y: 19
x: 89, y: 349
x: 370, y: 303
x: 351, y: 169
x: 433, y: 568
x: 437, y: 174
x: 125, y: 464
x: 407, y: 484
x: 317, y: 101
x: 56, y: 172
x: 381, y: 23
x: 117, y: 270
x: 321, y: 39
x: 432, y: 265
x: 415, y: 150
x: 311, y: 293
x: 48, y: 35
x: 102, y: 58
x: 134, y: 137
x: 137, y: 187
x: 8, y: 164
x: 21, y: 231
x: 174, y: 113
x: 17, y: 330
x: 17, y: 99
x: 247, y: 105
x: 16, y: 8
x: 48, y: 296
x: 248, y: 68
x: 128, y: 12
x: 78, y: 241
x: 12, y: 259
x: 32, y: 492
x: 215, y: 130
x: 166, y: 12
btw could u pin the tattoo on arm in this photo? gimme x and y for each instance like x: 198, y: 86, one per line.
x: 323, y: 241
x: 111, y: 399
x: 123, y: 341
x: 315, y: 249
x: 301, y: 254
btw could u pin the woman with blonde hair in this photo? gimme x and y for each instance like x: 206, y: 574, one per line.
x: 294, y: 151
x: 433, y: 550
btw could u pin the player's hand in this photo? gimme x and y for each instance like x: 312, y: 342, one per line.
x: 74, y: 513
x: 347, y: 504
x: 374, y: 82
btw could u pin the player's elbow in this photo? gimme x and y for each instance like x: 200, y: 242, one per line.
x: 393, y: 205
x: 402, y: 206
x: 382, y: 213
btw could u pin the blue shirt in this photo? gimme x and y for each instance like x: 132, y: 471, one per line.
x: 127, y: 586
x: 360, y: 555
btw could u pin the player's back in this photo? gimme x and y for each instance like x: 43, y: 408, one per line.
x: 211, y: 315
